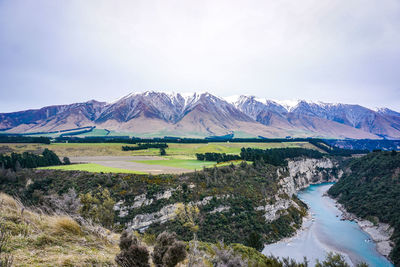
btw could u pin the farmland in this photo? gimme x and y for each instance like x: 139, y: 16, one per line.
x: 90, y: 167
x: 114, y: 149
x: 109, y: 157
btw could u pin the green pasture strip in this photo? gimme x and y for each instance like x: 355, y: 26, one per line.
x: 90, y: 167
x: 190, y: 164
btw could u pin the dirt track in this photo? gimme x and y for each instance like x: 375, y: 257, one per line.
x: 125, y: 162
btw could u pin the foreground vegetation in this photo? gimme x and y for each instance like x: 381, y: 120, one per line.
x: 38, y: 239
x: 371, y: 190
x: 34, y: 238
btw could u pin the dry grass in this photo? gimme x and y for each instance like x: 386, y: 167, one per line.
x: 38, y: 239
x: 66, y: 225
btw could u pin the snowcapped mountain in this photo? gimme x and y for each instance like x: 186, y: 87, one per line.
x: 154, y: 113
x: 325, y: 118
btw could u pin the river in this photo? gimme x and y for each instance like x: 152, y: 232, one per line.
x: 325, y: 232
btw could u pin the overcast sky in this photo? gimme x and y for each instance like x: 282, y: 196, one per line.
x: 59, y: 52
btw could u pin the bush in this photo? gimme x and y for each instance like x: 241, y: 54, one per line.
x: 66, y: 161
x: 168, y: 251
x: 132, y: 253
x: 225, y: 256
x: 65, y: 224
x: 333, y: 260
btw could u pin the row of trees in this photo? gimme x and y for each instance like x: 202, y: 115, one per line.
x: 276, y: 156
x: 337, y: 151
x: 142, y: 146
x: 218, y: 157
x: 30, y: 160
x: 23, y: 139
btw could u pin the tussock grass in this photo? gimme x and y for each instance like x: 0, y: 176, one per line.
x: 39, y: 239
x: 66, y: 225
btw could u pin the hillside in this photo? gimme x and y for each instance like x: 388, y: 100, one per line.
x: 231, y: 202
x: 370, y: 189
x: 159, y: 114
x: 37, y: 239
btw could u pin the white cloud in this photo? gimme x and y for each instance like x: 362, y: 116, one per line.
x: 320, y: 50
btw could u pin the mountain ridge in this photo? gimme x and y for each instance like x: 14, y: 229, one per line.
x: 204, y: 114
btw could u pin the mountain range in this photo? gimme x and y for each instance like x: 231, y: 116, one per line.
x: 203, y: 114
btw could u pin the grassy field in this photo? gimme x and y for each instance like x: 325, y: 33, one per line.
x: 111, y: 149
x: 90, y: 167
x: 180, y: 156
x: 190, y: 164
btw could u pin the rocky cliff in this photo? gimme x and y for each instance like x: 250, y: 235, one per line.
x: 297, y: 175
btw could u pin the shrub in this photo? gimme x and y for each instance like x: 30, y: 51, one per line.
x: 65, y: 224
x: 98, y: 207
x: 335, y: 260
x: 66, y: 161
x: 225, y: 256
x: 168, y: 251
x: 132, y: 253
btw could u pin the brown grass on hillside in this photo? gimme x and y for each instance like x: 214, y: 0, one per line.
x: 38, y: 239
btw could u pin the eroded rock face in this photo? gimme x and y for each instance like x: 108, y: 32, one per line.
x: 304, y: 172
x: 297, y: 175
x: 274, y: 211
x: 144, y: 220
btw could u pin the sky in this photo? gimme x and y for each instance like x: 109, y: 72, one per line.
x: 61, y: 52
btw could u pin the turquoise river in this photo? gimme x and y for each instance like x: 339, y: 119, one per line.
x: 325, y: 232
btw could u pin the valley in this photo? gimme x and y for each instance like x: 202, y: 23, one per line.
x: 252, y: 200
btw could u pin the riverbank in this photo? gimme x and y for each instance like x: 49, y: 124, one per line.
x: 380, y: 233
x: 307, y: 242
x: 323, y: 231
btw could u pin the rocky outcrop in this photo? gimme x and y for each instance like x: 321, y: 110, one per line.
x: 144, y: 220
x: 275, y: 210
x: 168, y: 212
x: 306, y: 171
x: 298, y: 175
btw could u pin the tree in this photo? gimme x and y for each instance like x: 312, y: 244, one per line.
x: 187, y: 215
x: 99, y: 207
x: 162, y: 152
x: 66, y: 161
x: 255, y: 241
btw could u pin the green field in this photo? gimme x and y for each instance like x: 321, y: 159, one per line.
x: 190, y: 164
x: 89, y: 167
x: 114, y: 149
